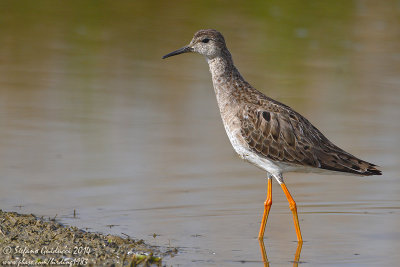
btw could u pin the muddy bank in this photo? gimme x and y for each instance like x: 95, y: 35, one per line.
x: 29, y: 240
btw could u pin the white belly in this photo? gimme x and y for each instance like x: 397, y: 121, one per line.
x: 242, y: 149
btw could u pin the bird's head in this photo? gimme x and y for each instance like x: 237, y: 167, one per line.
x: 209, y: 43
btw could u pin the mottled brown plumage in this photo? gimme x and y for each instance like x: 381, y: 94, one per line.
x: 264, y: 131
x: 274, y: 130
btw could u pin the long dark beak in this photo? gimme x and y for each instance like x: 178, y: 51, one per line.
x: 182, y: 50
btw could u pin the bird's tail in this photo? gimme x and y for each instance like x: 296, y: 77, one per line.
x: 344, y: 162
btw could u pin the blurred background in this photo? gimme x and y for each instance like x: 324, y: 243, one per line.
x: 92, y: 120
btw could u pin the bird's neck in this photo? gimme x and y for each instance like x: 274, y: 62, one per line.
x: 221, y: 65
x: 227, y: 83
x: 224, y: 74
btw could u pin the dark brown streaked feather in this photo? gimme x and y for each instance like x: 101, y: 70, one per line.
x: 288, y: 137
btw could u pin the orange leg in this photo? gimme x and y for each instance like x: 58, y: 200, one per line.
x: 293, y: 208
x: 263, y: 253
x: 267, y: 207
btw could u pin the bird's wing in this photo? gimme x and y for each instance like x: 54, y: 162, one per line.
x: 277, y: 132
x: 276, y: 136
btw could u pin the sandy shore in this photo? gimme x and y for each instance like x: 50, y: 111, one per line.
x: 29, y: 240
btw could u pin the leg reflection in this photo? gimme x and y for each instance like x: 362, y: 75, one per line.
x: 265, y: 258
x: 297, y: 255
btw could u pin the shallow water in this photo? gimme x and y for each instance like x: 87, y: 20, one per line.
x: 92, y: 120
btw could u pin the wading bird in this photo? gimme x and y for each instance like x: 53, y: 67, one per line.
x: 266, y: 132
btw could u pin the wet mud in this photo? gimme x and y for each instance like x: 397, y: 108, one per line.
x: 27, y: 240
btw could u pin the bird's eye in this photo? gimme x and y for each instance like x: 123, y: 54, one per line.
x: 206, y: 40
